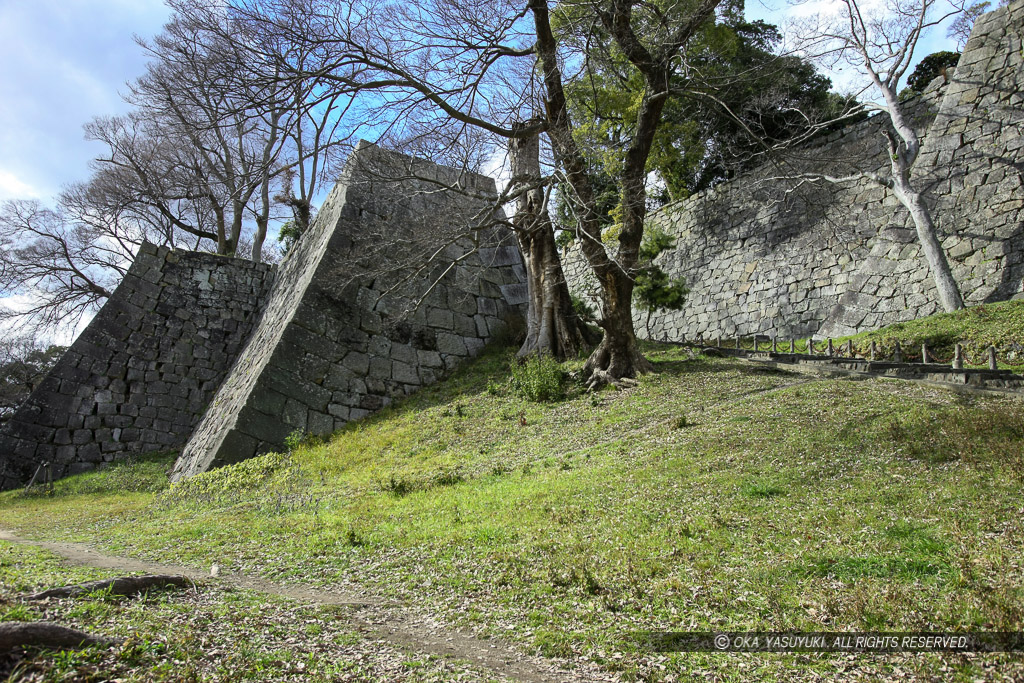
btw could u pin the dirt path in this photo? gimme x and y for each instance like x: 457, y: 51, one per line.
x: 369, y: 615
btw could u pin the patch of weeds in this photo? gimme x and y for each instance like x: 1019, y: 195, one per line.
x: 225, y: 485
x: 448, y: 477
x: 681, y: 422
x: 554, y: 643
x: 354, y: 538
x: 458, y: 410
x: 397, y: 486
x: 16, y: 612
x: 763, y: 489
x: 538, y: 378
x: 913, y: 538
x: 854, y: 568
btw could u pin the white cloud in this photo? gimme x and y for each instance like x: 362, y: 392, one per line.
x: 64, y: 63
x: 12, y: 187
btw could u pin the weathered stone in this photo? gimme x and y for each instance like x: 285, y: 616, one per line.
x: 740, y: 253
x: 372, y: 353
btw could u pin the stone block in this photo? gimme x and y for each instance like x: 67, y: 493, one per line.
x: 380, y: 368
x: 404, y: 372
x: 451, y: 344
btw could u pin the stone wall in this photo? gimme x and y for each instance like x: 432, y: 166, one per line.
x: 140, y: 376
x: 355, y: 319
x: 766, y: 255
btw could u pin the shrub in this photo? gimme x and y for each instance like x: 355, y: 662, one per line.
x: 584, y: 310
x: 538, y: 378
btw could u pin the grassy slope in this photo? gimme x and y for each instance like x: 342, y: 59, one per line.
x: 713, y: 496
x: 999, y: 324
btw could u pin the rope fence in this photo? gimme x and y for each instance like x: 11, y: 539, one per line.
x: 991, y: 358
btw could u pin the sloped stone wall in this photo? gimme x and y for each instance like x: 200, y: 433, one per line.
x: 972, y: 163
x: 342, y: 335
x: 142, y: 373
x: 763, y: 254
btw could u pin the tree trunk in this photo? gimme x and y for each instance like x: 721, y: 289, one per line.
x: 934, y: 254
x: 552, y: 326
x: 901, y: 161
x: 125, y: 585
x: 617, y: 359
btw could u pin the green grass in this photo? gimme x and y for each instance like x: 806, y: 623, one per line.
x: 203, y: 633
x: 711, y: 496
x: 977, y: 327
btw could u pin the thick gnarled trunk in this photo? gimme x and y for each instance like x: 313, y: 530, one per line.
x: 552, y: 326
x: 617, y: 359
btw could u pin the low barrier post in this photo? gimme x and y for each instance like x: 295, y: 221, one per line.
x: 958, y: 357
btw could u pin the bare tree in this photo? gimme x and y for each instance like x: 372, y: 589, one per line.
x: 61, y: 268
x: 880, y: 42
x: 961, y: 27
x: 499, y: 68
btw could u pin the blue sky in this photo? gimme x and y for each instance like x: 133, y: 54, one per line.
x: 65, y: 62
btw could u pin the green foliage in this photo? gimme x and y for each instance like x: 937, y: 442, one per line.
x: 930, y: 68
x: 288, y: 234
x: 654, y: 290
x: 655, y: 241
x: 564, y: 238
x: 538, y: 378
x: 232, y: 480
x: 746, y: 96
x: 583, y: 310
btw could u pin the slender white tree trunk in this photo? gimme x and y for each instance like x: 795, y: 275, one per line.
x: 934, y: 254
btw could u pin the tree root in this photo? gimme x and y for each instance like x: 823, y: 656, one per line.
x: 125, y: 585
x: 601, y: 378
x: 48, y: 635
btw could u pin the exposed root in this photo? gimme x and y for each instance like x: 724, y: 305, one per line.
x: 46, y: 634
x: 602, y: 378
x: 618, y: 368
x: 125, y: 585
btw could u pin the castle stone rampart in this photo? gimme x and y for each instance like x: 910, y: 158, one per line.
x: 140, y: 376
x: 764, y: 254
x: 342, y: 334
